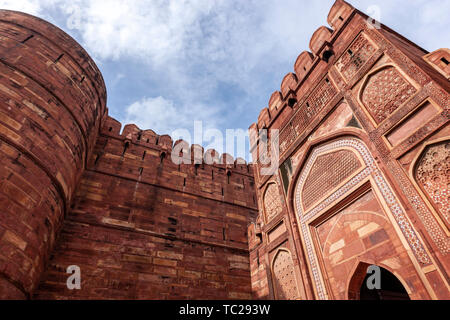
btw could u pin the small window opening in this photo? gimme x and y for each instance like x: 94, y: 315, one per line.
x: 350, y: 52
x: 141, y: 170
x: 110, y: 129
x: 292, y: 102
x: 259, y: 236
x: 127, y: 145
x: 59, y: 58
x: 143, y: 156
x: 340, y: 18
x: 163, y: 156
x: 28, y: 38
x: 445, y: 61
x: 327, y: 55
x: 173, y: 221
x: 196, y: 168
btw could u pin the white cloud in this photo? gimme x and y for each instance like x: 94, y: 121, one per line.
x: 162, y: 116
x: 191, y: 49
x: 28, y: 6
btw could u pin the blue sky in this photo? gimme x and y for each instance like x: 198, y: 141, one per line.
x: 167, y: 63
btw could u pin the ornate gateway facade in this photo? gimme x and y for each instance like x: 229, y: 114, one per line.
x: 364, y: 147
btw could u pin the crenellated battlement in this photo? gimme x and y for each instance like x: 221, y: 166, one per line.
x: 165, y: 145
x: 307, y: 69
x: 144, y: 156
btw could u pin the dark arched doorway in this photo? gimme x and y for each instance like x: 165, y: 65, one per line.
x: 390, y: 287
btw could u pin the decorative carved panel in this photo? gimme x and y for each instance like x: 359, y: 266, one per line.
x: 384, y: 92
x: 284, y: 276
x: 272, y: 202
x: 328, y: 171
x: 321, y: 96
x: 407, y: 127
x: 370, y: 169
x: 359, y: 52
x: 433, y: 175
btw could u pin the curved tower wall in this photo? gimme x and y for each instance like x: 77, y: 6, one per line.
x: 52, y: 99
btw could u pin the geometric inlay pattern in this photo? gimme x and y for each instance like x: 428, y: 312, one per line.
x: 356, y: 56
x: 272, y: 202
x: 318, y: 99
x: 328, y: 171
x: 283, y: 271
x: 371, y: 169
x: 385, y: 91
x: 433, y: 174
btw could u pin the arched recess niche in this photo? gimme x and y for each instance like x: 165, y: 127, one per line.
x: 283, y: 276
x: 393, y: 283
x: 272, y: 202
x: 431, y: 173
x: 367, y: 174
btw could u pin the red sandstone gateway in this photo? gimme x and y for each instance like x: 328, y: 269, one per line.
x: 362, y: 185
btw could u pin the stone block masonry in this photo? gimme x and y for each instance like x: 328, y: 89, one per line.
x: 141, y: 227
x: 75, y: 191
x: 52, y: 99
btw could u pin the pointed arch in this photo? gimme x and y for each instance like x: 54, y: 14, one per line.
x: 272, y: 201
x: 359, y: 275
x: 430, y: 170
x: 283, y: 274
x: 369, y: 172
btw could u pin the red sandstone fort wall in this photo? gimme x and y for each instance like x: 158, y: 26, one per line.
x: 52, y: 98
x: 137, y: 225
x: 141, y: 227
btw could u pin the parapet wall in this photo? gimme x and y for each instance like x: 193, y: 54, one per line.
x: 145, y: 156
